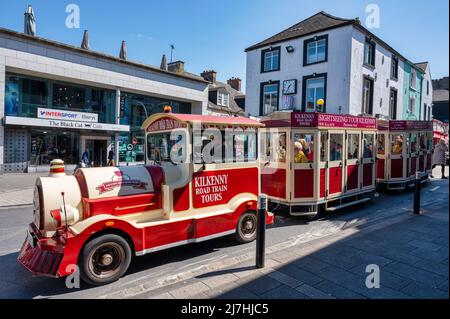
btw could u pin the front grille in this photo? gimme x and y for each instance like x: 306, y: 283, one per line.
x: 39, y: 261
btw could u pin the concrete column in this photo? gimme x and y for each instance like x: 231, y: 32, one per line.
x: 2, y: 111
x: 116, y: 135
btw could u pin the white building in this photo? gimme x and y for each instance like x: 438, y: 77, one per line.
x: 58, y: 100
x: 329, y: 58
x: 427, y: 92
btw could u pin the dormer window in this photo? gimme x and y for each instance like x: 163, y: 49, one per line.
x: 223, y: 99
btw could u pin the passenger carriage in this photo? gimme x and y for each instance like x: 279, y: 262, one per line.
x: 403, y: 148
x: 317, y: 161
x: 201, y: 181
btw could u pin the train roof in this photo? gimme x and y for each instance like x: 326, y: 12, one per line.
x: 176, y: 120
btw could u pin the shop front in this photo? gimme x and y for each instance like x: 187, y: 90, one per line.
x: 46, y: 119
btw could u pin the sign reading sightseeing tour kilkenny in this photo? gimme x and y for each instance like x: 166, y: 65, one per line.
x: 163, y: 124
x: 52, y: 114
x: 119, y: 179
x: 219, y: 187
x: 301, y: 119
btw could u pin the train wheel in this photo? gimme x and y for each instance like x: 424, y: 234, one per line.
x: 246, y: 228
x: 104, y: 259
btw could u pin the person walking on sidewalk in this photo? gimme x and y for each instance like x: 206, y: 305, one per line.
x: 85, y: 158
x: 439, y: 156
x: 111, y: 158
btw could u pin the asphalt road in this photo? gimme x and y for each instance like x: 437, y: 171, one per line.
x: 16, y: 282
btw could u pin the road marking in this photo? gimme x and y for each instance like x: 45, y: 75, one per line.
x: 435, y: 188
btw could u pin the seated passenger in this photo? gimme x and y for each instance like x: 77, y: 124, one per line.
x: 299, y: 154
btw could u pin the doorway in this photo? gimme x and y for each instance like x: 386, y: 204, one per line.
x: 98, y: 147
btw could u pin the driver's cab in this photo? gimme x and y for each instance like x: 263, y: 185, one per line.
x: 209, y: 162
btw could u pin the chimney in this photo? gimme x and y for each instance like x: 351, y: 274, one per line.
x: 163, y: 65
x: 85, y: 42
x: 123, y: 51
x: 29, y: 22
x: 235, y: 83
x: 176, y: 67
x: 209, y: 76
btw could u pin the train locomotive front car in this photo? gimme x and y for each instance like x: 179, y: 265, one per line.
x: 99, y: 218
x: 316, y: 161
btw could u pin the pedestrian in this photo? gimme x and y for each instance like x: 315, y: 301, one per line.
x: 111, y: 158
x: 85, y: 158
x: 439, y: 156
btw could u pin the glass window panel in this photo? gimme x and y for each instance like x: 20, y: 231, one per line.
x: 368, y: 145
x: 353, y: 146
x: 381, y: 144
x: 323, y: 149
x: 336, y: 143
x: 303, y: 148
x: 397, y: 144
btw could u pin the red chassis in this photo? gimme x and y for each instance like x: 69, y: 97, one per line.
x: 56, y: 256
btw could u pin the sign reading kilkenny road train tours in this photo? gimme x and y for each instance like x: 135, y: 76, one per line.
x: 53, y: 114
x: 299, y: 119
x: 219, y: 187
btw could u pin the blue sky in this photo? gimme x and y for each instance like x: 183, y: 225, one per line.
x: 213, y: 34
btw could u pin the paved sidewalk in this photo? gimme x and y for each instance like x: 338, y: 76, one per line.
x: 17, y: 189
x: 410, y: 251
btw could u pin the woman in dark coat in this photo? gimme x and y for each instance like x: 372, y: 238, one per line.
x: 439, y: 155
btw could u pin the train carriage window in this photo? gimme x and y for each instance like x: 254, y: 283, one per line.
x: 353, y: 146
x: 413, y: 143
x: 381, y: 144
x: 323, y: 143
x: 336, y: 142
x: 396, y: 144
x: 422, y: 141
x: 303, y: 148
x: 368, y: 140
x: 166, y: 146
x: 273, y: 147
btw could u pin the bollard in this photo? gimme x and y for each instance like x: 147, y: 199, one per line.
x: 261, y: 231
x: 417, y: 194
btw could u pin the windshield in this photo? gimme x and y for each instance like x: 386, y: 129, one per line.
x: 160, y: 146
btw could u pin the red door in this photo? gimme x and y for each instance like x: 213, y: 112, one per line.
x: 335, y: 163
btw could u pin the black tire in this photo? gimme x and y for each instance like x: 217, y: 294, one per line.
x: 246, y: 228
x: 104, y: 259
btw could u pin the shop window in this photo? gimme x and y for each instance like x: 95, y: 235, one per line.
x: 303, y: 148
x: 422, y: 142
x: 368, y: 140
x: 131, y: 147
x: 381, y: 144
x: 46, y: 146
x: 335, y: 151
x: 353, y: 146
x: 397, y: 144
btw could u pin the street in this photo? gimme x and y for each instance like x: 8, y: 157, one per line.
x: 162, y: 267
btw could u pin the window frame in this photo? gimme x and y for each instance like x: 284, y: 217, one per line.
x: 261, y: 97
x: 305, y: 49
x: 392, y: 89
x: 304, y: 89
x: 413, y: 78
x: 411, y: 106
x: 223, y: 95
x: 263, y: 59
x: 373, y: 53
x: 372, y: 81
x: 395, y: 60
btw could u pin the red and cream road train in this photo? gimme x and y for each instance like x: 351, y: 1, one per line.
x: 202, y: 180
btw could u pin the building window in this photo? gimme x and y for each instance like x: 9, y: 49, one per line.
x: 411, y: 105
x: 393, y: 104
x: 394, y: 68
x: 412, y: 80
x: 425, y: 111
x: 429, y: 113
x: 269, y: 101
x: 222, y: 99
x: 314, y: 89
x: 367, y: 96
x: 47, y: 145
x: 270, y: 59
x: 369, y: 52
x: 428, y: 87
x: 315, y: 50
